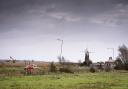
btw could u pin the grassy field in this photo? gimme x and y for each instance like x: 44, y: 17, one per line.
x: 101, y: 80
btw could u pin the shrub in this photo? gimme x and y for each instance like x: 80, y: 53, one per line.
x: 107, y: 69
x: 92, y: 69
x: 126, y: 65
x: 67, y: 68
x: 53, y: 67
x: 121, y: 65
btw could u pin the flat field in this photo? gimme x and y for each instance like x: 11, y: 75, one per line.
x: 100, y: 80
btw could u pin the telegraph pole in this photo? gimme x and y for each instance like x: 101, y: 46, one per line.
x: 61, y: 47
x: 112, y: 51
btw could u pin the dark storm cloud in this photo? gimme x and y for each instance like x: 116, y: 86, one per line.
x: 75, y: 6
x: 62, y: 16
x: 27, y: 14
x: 64, y: 4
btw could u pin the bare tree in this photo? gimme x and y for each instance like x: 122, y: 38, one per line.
x: 59, y: 59
x: 123, y: 53
x: 53, y: 67
x: 122, y: 59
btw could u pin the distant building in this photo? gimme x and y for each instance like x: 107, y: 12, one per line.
x: 102, y: 65
x: 98, y: 65
x: 110, y: 63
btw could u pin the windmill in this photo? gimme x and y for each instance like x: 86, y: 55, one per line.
x: 13, y: 60
x: 87, y: 59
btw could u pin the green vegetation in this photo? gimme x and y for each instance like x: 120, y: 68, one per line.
x: 98, y: 80
x: 122, y: 59
x: 11, y: 71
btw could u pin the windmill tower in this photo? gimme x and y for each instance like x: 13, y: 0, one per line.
x: 13, y: 60
x: 87, y: 60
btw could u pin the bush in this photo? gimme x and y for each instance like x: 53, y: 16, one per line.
x: 126, y: 66
x: 92, y: 69
x: 107, y: 69
x: 67, y: 68
x: 120, y: 65
x: 53, y: 67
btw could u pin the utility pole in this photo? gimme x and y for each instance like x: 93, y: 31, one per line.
x: 61, y: 47
x: 112, y: 51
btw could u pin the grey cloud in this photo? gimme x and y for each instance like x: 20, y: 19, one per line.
x: 53, y: 16
x: 117, y: 16
x: 27, y: 14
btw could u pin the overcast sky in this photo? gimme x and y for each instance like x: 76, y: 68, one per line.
x: 29, y: 28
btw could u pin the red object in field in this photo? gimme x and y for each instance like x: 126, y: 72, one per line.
x: 29, y: 68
